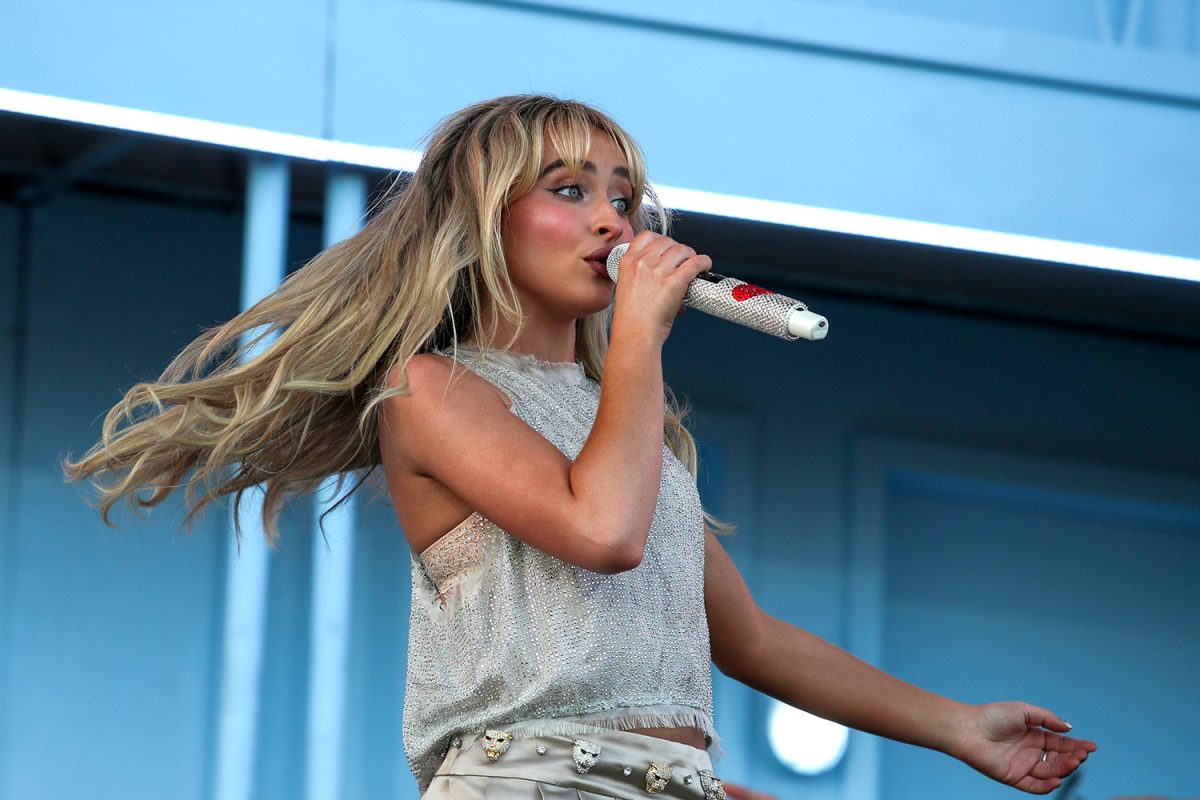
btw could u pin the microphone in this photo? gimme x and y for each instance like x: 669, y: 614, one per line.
x: 744, y: 303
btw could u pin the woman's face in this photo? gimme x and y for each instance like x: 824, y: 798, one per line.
x: 558, y: 235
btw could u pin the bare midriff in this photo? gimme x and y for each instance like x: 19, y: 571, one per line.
x: 689, y: 736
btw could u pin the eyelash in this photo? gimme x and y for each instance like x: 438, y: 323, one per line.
x: 628, y: 201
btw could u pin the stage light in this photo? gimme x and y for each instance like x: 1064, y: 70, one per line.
x: 805, y: 743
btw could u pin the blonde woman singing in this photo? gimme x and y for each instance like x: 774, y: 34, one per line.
x: 569, y: 593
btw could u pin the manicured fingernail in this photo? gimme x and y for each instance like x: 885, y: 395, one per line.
x: 1069, y: 725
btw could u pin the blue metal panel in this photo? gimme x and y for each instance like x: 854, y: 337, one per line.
x: 797, y: 125
x: 110, y: 644
x: 260, y: 64
x: 991, y: 42
x: 1074, y: 19
x: 729, y: 446
x: 375, y: 761
x: 9, y: 254
x: 981, y: 594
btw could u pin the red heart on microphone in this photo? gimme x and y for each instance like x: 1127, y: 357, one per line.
x: 744, y: 291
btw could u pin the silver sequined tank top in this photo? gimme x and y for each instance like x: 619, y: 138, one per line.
x: 502, y: 634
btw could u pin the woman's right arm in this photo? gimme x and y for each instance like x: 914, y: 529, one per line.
x: 594, y: 512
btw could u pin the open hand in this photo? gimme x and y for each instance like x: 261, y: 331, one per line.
x: 1021, y: 745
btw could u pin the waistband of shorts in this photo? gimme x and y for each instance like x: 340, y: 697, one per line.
x: 623, y: 765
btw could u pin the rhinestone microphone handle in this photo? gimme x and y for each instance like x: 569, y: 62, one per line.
x: 734, y: 300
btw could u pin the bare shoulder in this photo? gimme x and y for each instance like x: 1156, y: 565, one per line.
x: 425, y: 437
x: 451, y: 445
x: 428, y: 373
x: 440, y: 392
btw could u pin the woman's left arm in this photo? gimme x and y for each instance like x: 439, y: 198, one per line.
x: 1015, y: 743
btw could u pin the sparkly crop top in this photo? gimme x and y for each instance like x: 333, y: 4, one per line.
x: 504, y: 635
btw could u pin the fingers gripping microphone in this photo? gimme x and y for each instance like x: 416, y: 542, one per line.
x: 745, y: 304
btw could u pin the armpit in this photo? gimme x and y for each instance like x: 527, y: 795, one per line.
x: 457, y: 559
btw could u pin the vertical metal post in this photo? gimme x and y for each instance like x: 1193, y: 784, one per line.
x: 10, y: 471
x: 333, y: 561
x: 263, y: 269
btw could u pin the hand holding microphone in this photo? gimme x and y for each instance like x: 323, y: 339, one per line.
x: 744, y: 303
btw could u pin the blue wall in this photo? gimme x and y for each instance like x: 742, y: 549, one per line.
x: 109, y: 632
x: 979, y: 114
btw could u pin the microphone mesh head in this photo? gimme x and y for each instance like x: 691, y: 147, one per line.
x: 614, y: 260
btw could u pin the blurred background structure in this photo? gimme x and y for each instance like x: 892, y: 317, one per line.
x: 986, y: 480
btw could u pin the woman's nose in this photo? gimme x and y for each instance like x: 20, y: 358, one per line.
x: 607, y: 219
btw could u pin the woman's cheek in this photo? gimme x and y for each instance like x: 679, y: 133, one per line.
x: 554, y: 225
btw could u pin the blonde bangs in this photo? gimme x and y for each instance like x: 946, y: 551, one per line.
x: 568, y: 129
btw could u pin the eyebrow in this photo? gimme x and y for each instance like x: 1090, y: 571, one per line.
x: 588, y: 166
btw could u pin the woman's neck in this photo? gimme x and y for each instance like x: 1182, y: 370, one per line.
x: 545, y: 342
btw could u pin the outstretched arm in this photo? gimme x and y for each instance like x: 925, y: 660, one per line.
x: 1015, y: 743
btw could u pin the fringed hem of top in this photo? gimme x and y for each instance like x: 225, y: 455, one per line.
x: 622, y: 719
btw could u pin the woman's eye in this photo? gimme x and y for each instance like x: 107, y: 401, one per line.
x: 622, y: 204
x: 573, y: 191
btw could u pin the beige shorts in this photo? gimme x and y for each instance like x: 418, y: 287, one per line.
x: 549, y: 768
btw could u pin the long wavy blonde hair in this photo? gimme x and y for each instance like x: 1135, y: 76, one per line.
x: 286, y: 393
